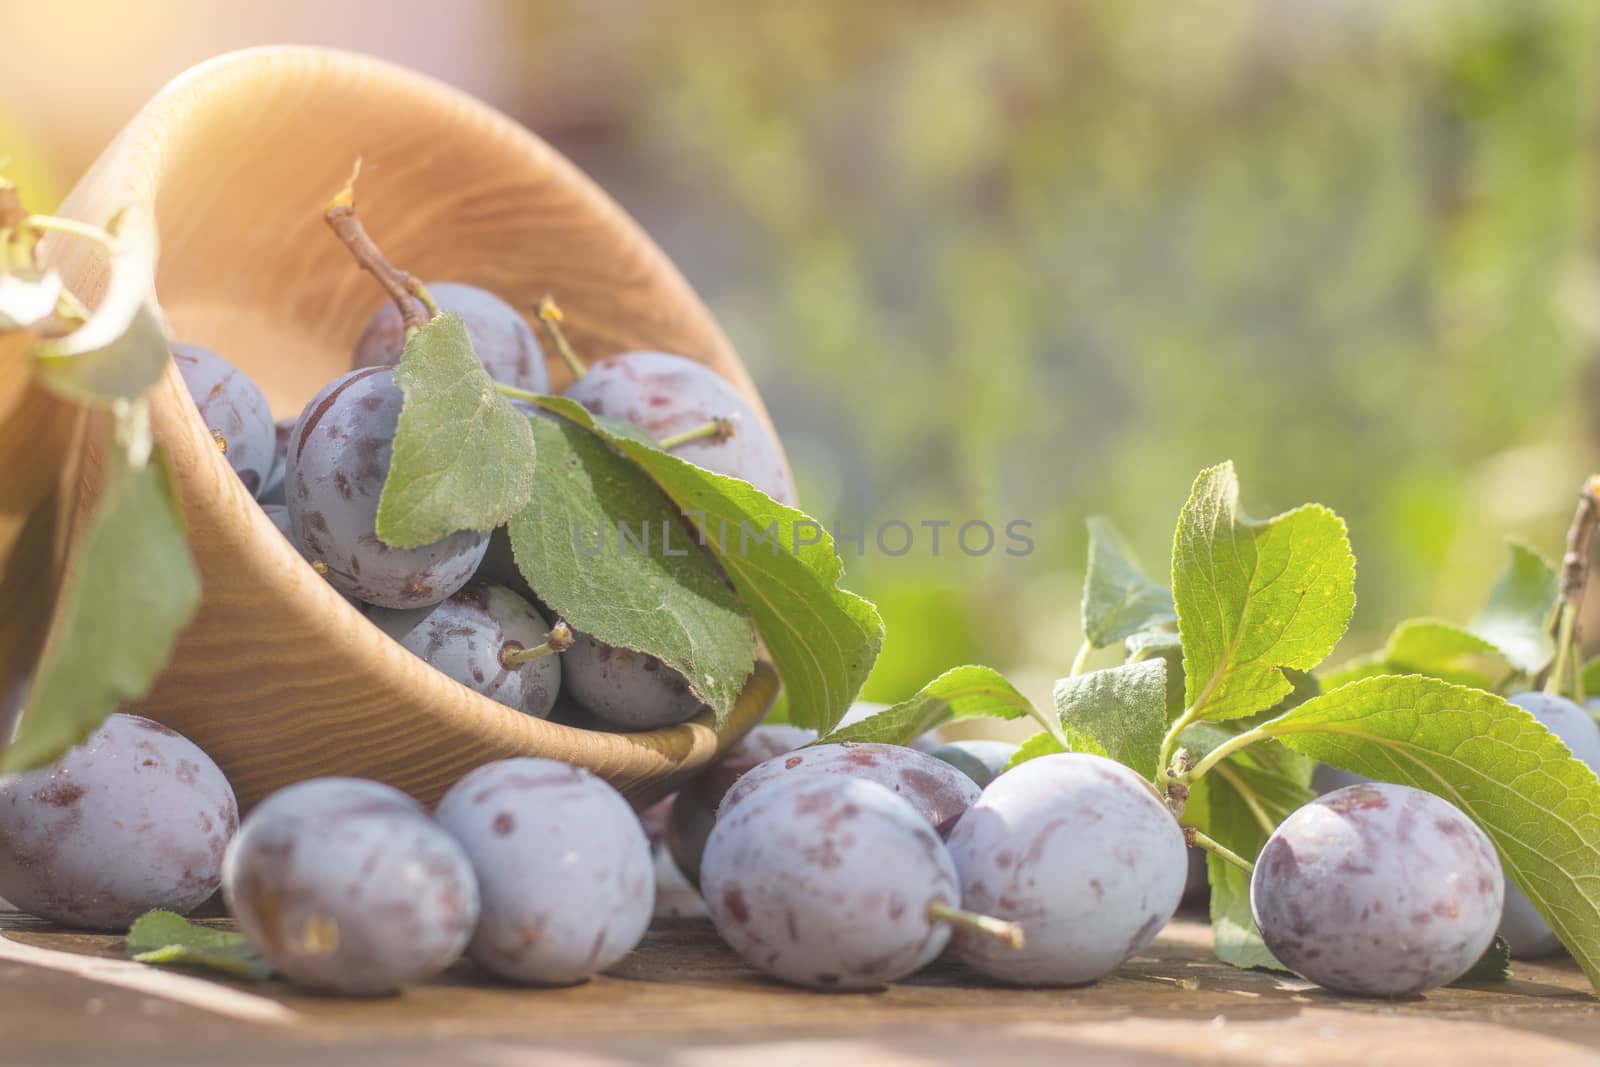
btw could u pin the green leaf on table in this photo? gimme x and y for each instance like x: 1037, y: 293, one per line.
x: 131, y: 586
x: 1119, y: 599
x: 1254, y: 597
x: 168, y: 939
x: 1040, y: 744
x: 1240, y: 804
x: 1122, y: 710
x: 1493, y: 966
x: 822, y: 638
x: 655, y: 592
x: 1516, y: 618
x: 1165, y: 645
x: 960, y: 693
x: 463, y: 456
x: 122, y: 349
x: 1489, y: 758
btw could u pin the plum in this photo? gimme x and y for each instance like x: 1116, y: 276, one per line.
x: 338, y: 461
x: 471, y: 634
x: 668, y: 395
x: 694, y: 811
x: 234, y: 410
x: 272, y: 489
x: 830, y: 883
x: 934, y: 788
x: 346, y: 886
x: 565, y: 869
x: 1326, y: 778
x: 625, y: 688
x: 135, y: 818
x: 1524, y: 929
x: 1082, y: 853
x: 981, y: 760
x: 500, y: 337
x: 1378, y: 890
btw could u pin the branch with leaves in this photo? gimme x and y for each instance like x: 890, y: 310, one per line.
x: 1223, y: 714
x: 129, y: 584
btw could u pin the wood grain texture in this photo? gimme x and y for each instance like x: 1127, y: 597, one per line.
x: 683, y: 998
x: 278, y: 678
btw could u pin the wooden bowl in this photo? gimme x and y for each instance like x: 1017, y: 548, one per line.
x: 278, y: 678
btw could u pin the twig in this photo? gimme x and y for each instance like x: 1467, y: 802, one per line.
x: 1574, y: 579
x: 403, y: 288
x: 1193, y: 836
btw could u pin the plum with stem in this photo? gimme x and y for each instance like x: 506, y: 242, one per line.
x: 490, y: 640
x: 835, y: 883
x: 1081, y: 852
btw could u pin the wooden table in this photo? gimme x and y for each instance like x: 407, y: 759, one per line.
x: 684, y: 999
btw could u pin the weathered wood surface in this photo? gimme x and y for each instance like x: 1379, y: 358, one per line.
x: 684, y: 999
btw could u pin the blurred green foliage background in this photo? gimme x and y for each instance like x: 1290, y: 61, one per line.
x: 1038, y: 259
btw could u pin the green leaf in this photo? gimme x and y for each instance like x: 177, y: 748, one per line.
x: 1489, y: 758
x: 1433, y: 647
x: 123, y: 368
x: 1493, y: 966
x: 121, y: 351
x: 1267, y: 756
x: 1242, y: 804
x: 1165, y: 645
x: 959, y: 693
x: 130, y: 588
x: 662, y: 596
x: 27, y: 297
x: 463, y: 456
x: 168, y: 939
x: 1122, y: 710
x: 1516, y: 619
x: 1042, y: 744
x: 1119, y: 599
x: 1591, y: 677
x: 1254, y: 597
x: 823, y: 639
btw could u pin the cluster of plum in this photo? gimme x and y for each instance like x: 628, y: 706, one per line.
x: 1060, y: 869
x: 837, y: 866
x: 461, y: 604
x: 538, y: 870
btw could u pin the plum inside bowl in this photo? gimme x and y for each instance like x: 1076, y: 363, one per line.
x: 278, y: 677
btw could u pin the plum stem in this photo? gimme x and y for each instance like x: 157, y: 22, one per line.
x: 72, y: 227
x: 718, y: 429
x: 403, y: 288
x: 1164, y: 775
x: 1226, y: 749
x: 558, y: 640
x: 1194, y: 837
x: 1248, y: 795
x: 1007, y: 933
x: 551, y: 317
x: 513, y: 393
x: 1574, y: 580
